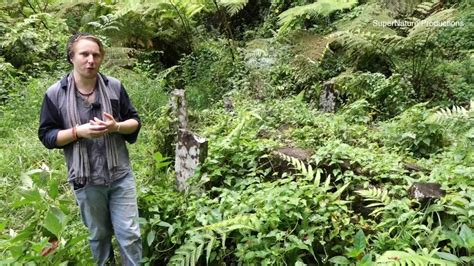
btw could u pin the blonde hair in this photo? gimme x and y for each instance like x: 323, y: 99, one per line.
x: 81, y: 36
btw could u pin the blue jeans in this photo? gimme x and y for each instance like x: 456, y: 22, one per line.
x: 108, y: 209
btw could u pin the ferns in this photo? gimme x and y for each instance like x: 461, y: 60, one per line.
x: 192, y: 250
x: 307, y: 172
x: 424, y: 26
x: 359, y: 45
x: 311, y: 176
x: 324, y: 8
x: 233, y: 6
x: 378, y: 196
x: 446, y: 114
x: 189, y: 253
x: 410, y: 257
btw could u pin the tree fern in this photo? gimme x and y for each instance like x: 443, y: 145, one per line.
x: 106, y: 23
x: 324, y: 8
x: 410, y: 257
x: 428, y: 24
x: 359, y: 45
x: 233, y: 6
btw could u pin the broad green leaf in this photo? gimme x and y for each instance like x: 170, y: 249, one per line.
x: 75, y: 240
x: 448, y: 256
x: 300, y: 263
x: 467, y: 236
x: 31, y: 196
x: 53, y: 189
x: 23, y: 235
x: 359, y: 240
x: 340, y: 260
x: 54, y: 221
x: 150, y: 237
x: 366, y: 261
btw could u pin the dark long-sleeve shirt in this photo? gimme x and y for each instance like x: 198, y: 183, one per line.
x: 53, y: 117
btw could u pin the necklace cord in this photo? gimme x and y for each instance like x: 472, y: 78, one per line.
x: 86, y: 94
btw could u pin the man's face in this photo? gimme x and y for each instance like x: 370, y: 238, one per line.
x: 86, y: 58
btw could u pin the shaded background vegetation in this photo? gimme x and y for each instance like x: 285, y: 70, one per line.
x: 404, y: 115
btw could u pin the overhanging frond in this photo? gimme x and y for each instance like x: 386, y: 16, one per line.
x: 437, y: 20
x: 321, y: 7
x: 233, y: 6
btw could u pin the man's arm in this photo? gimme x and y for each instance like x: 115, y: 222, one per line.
x: 129, y: 114
x: 50, y: 123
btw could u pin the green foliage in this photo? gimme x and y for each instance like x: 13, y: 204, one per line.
x: 233, y: 6
x: 7, y: 83
x: 412, y: 131
x: 289, y: 18
x: 210, y: 72
x: 191, y: 251
x: 456, y: 112
x: 34, y: 43
x: 387, y: 96
x: 47, y: 218
x: 410, y: 258
x: 347, y: 204
x: 455, y: 40
x: 457, y: 79
x: 414, y: 56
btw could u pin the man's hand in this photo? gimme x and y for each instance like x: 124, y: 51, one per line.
x: 110, y: 124
x: 91, y: 130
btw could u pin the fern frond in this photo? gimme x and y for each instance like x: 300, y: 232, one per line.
x: 321, y: 7
x: 375, y: 194
x: 410, y: 257
x: 431, y: 22
x: 307, y: 172
x: 456, y: 112
x: 378, y: 196
x: 358, y: 44
x: 190, y: 252
x: 233, y: 6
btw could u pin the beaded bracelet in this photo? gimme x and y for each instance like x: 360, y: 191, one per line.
x: 74, y: 133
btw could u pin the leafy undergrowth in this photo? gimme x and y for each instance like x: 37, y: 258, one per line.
x: 404, y: 114
x: 347, y: 204
x: 40, y: 222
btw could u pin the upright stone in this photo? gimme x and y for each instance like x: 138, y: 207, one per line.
x: 191, y: 150
x: 178, y: 102
x: 327, y: 99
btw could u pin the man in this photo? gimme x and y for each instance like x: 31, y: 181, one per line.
x: 90, y: 116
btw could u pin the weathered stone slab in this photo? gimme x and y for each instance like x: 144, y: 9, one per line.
x: 298, y: 153
x: 191, y: 150
x: 328, y: 98
x: 425, y: 191
x: 178, y: 102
